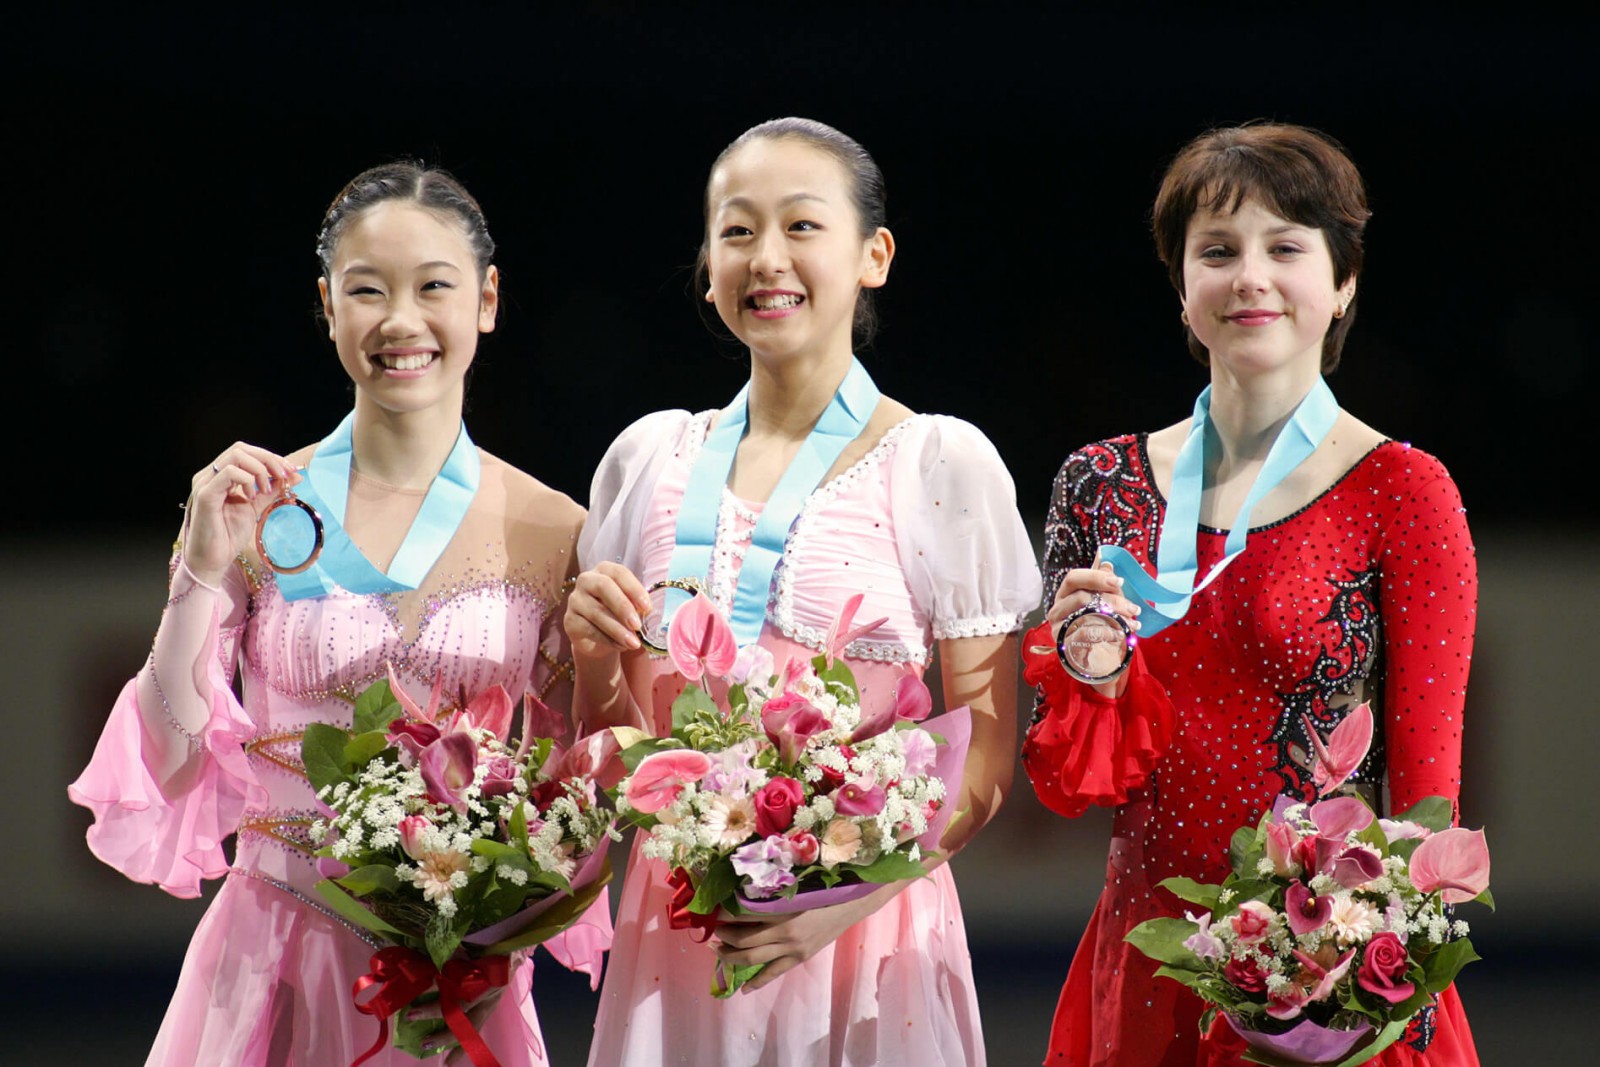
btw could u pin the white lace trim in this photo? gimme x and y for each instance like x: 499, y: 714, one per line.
x: 736, y: 527
x: 979, y: 626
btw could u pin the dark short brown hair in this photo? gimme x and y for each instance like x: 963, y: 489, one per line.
x: 1297, y: 173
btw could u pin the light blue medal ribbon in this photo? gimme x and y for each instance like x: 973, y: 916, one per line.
x: 1172, y: 589
x: 326, y: 488
x: 841, y: 422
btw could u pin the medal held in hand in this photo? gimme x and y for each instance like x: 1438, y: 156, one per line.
x: 289, y: 534
x: 653, y: 629
x: 1095, y: 644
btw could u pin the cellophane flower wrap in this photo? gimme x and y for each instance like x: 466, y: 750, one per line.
x: 781, y: 796
x: 460, y: 849
x: 1334, y: 927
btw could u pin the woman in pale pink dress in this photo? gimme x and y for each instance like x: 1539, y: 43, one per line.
x: 407, y: 288
x: 917, y: 513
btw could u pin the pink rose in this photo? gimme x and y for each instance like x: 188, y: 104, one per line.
x: 1454, y: 863
x: 661, y: 776
x: 1281, y: 840
x: 1253, y: 922
x: 775, y: 803
x: 1383, y: 969
x: 790, y: 720
x: 805, y: 847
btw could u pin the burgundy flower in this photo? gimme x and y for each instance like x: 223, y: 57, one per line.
x: 790, y: 720
x: 1383, y: 968
x: 1245, y: 975
x: 775, y: 805
x: 1306, y: 911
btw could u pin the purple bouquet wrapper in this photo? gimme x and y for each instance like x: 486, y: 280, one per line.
x: 948, y: 765
x: 1308, y: 1042
x: 587, y: 872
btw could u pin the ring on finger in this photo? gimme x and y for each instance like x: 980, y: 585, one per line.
x: 215, y: 470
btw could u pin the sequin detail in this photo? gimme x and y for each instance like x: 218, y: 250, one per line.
x: 315, y: 905
x: 1369, y: 592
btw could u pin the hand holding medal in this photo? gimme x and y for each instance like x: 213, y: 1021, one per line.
x: 225, y: 500
x: 1095, y: 636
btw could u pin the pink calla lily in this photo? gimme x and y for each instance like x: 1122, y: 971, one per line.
x: 841, y: 632
x: 448, y: 766
x: 1356, y: 866
x: 540, y: 720
x: 700, y: 641
x: 1304, y: 910
x: 1347, y: 746
x: 1453, y: 863
x: 790, y: 721
x: 860, y: 798
x: 912, y: 703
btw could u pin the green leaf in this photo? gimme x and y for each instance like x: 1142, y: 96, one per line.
x: 322, y: 753
x: 1484, y: 897
x: 1162, y: 940
x: 1433, y: 812
x: 1192, y: 891
x: 1178, y: 974
x: 365, y: 880
x: 376, y: 708
x: 498, y: 851
x: 556, y: 918
x: 718, y: 884
x: 890, y: 867
x: 691, y: 702
x: 362, y: 748
x: 517, y: 828
x: 1404, y: 848
x: 442, y: 939
x: 1246, y: 840
x: 725, y: 981
x: 837, y: 675
x: 1374, y: 836
x: 1441, y: 967
x: 351, y: 909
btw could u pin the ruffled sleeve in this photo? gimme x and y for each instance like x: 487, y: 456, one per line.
x: 619, y: 495
x: 963, y: 546
x: 1083, y: 748
x: 161, y: 813
x: 1429, y: 602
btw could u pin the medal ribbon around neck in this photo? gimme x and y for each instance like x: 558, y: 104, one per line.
x: 326, y: 488
x: 841, y: 422
x: 1174, y: 585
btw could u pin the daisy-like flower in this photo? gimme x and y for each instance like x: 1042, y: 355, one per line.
x: 841, y: 842
x: 1353, y: 919
x: 438, y: 874
x: 729, y: 821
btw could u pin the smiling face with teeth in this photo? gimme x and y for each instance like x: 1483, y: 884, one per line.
x: 405, y: 304
x: 785, y: 254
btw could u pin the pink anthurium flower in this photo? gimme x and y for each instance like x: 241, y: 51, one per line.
x: 447, y: 768
x: 1454, y: 863
x: 490, y: 710
x: 700, y: 641
x: 841, y: 632
x: 1347, y: 746
x: 661, y: 776
x: 1336, y: 819
x: 409, y: 706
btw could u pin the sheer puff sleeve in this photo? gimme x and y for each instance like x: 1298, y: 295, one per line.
x: 962, y: 544
x: 1083, y: 748
x: 160, y: 820
x: 620, y: 493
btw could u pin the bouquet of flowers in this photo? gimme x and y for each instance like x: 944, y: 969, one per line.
x: 785, y: 796
x: 460, y: 849
x: 1334, y: 927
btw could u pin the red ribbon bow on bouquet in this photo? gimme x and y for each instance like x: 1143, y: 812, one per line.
x: 679, y: 917
x: 403, y: 974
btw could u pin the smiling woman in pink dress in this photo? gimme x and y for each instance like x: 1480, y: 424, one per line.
x: 407, y: 288
x: 916, y: 512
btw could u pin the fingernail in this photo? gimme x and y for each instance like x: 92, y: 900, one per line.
x: 1117, y: 580
x: 633, y: 622
x: 1137, y: 625
x: 1137, y: 610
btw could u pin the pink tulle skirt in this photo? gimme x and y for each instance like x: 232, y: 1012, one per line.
x: 267, y: 983
x: 895, y: 989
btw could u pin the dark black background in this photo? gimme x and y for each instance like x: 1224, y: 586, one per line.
x: 167, y: 176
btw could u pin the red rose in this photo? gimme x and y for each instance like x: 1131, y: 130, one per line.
x: 775, y: 804
x: 1245, y: 975
x: 1383, y: 968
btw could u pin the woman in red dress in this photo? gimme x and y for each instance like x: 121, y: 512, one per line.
x: 1357, y: 582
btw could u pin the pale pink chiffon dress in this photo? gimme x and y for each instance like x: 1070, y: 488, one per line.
x: 926, y: 526
x: 267, y: 978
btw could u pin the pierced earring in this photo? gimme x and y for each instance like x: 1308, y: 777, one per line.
x: 1344, y: 306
